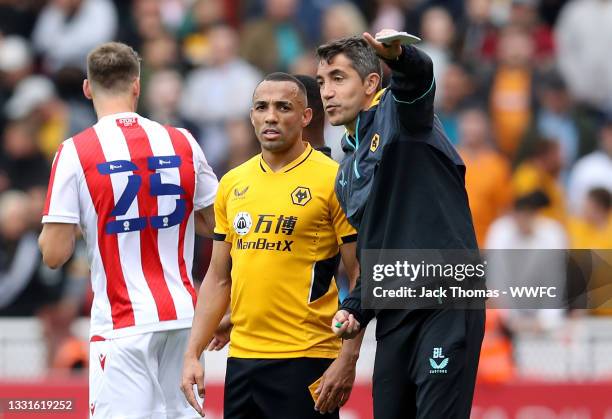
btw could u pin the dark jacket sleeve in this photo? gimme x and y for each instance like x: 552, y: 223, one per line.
x: 413, y: 88
x: 352, y: 304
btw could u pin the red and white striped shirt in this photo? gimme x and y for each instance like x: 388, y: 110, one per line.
x: 133, y: 185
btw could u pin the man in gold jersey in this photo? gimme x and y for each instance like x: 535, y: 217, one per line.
x: 279, y: 236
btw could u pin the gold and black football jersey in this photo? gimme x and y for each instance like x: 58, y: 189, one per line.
x: 285, y: 228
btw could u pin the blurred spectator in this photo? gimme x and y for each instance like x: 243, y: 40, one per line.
x: 158, y: 53
x: 15, y: 65
x: 28, y: 95
x: 271, y: 43
x: 314, y: 131
x: 511, y: 88
x: 477, y: 32
x: 337, y: 21
x: 305, y: 64
x: 456, y: 89
x: 438, y: 33
x: 203, y: 15
x: 557, y: 118
x: 585, y: 61
x: 140, y: 21
x: 163, y: 97
x: 15, y: 60
x: 309, y: 16
x: 196, y: 45
x: 341, y: 20
x: 489, y: 195
x: 67, y: 29
x: 540, y: 173
x: 35, y: 100
x: 24, y: 164
x: 593, y: 228
x: 173, y: 12
x: 27, y: 287
x: 524, y: 14
x: 455, y: 8
x: 389, y: 14
x: 486, y: 19
x: 593, y: 170
x: 19, y: 255
x: 242, y: 142
x: 221, y: 92
x: 523, y: 229
x: 71, y: 109
x: 17, y: 17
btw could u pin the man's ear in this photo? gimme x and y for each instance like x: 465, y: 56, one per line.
x: 251, y: 117
x: 372, y: 83
x: 136, y: 87
x: 87, y: 89
x: 306, y: 117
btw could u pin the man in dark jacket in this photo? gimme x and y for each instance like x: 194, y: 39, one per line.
x: 314, y: 131
x: 401, y: 185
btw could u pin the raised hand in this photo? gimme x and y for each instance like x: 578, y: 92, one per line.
x: 387, y: 51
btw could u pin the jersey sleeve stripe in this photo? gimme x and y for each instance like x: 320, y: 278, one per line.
x: 51, y: 179
x: 187, y: 174
x: 90, y: 153
x: 219, y: 237
x: 349, y: 239
x: 139, y: 147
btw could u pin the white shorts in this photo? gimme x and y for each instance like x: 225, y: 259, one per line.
x: 139, y: 376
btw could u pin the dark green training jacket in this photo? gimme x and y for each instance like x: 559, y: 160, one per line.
x: 402, y: 183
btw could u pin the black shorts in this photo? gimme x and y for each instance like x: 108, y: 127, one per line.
x: 272, y: 388
x: 426, y: 369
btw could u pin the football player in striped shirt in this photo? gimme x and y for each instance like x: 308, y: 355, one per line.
x: 137, y: 190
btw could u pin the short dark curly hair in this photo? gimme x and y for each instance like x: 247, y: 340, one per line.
x: 280, y: 76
